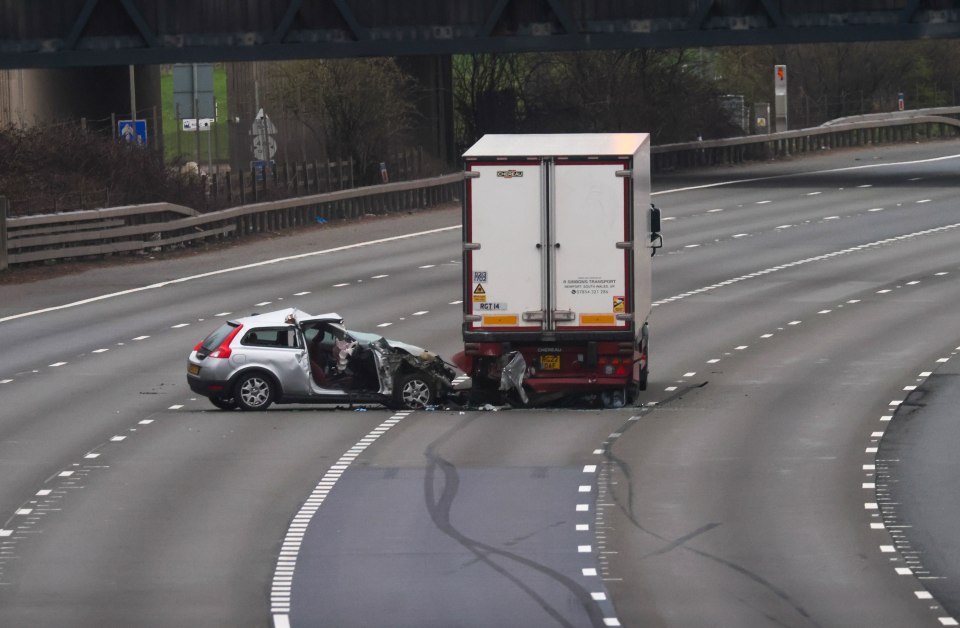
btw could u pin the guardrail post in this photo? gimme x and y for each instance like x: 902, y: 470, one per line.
x: 4, y: 204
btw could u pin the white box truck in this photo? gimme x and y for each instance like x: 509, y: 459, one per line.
x: 558, y: 235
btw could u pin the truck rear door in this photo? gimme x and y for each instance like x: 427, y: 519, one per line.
x: 503, y: 224
x: 590, y: 224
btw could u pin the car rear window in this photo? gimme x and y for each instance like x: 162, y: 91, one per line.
x: 214, y: 340
x: 270, y: 337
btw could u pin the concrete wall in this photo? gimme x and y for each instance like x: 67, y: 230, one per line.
x: 46, y: 96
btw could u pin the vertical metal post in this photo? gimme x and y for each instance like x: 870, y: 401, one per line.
x: 4, y: 205
x: 157, y: 137
x: 133, y: 98
x: 179, y: 131
x: 196, y: 119
x: 216, y: 133
x: 210, y: 148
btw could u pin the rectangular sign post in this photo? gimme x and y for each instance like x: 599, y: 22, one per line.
x: 780, y: 96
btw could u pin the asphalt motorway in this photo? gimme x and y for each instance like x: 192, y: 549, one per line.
x: 792, y: 314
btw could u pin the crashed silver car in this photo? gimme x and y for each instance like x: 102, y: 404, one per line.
x: 289, y: 356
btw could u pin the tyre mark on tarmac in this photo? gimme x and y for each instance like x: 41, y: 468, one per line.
x: 439, y: 507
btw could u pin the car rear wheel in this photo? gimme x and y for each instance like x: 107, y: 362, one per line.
x: 254, y: 391
x: 224, y: 403
x: 414, y: 391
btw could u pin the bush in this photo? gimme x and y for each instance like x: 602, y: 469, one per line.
x: 61, y: 168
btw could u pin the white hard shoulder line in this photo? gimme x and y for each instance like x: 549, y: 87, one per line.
x: 282, y: 589
x: 222, y: 271
x: 808, y: 260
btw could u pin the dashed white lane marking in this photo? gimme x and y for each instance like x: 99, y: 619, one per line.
x: 739, y: 235
x: 875, y: 209
x: 925, y: 200
x: 297, y: 294
x: 813, y: 193
x: 179, y: 325
x: 455, y: 302
x: 763, y: 202
x: 421, y: 313
x: 865, y: 185
x: 427, y: 266
x: 138, y: 338
x: 214, y: 273
x: 379, y: 276
x: 280, y: 602
x: 56, y: 364
x: 99, y: 350
x: 384, y: 324
x: 941, y: 274
x: 691, y: 246
x: 5, y: 381
x: 806, y: 174
x: 340, y: 285
x: 262, y: 303
x: 713, y: 211
x: 808, y: 260
x: 832, y: 218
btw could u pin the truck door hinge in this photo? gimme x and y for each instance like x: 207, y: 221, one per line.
x: 625, y: 174
x: 471, y: 246
x: 533, y: 315
x: 625, y: 245
x: 625, y: 316
x: 564, y: 315
x: 471, y: 174
x: 471, y: 318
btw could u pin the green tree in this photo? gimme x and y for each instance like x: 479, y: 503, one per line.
x: 360, y: 108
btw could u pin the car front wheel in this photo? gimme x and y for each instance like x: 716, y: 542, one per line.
x: 254, y: 391
x: 414, y: 391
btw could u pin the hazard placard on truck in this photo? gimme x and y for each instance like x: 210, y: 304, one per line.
x: 558, y: 235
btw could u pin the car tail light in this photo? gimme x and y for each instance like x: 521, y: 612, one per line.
x: 223, y: 351
x: 199, y: 344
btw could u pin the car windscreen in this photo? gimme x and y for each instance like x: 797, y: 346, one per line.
x: 214, y: 340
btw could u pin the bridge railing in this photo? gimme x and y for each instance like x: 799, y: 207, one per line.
x: 154, y: 226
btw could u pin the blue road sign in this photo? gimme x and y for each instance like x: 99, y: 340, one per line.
x: 133, y: 131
